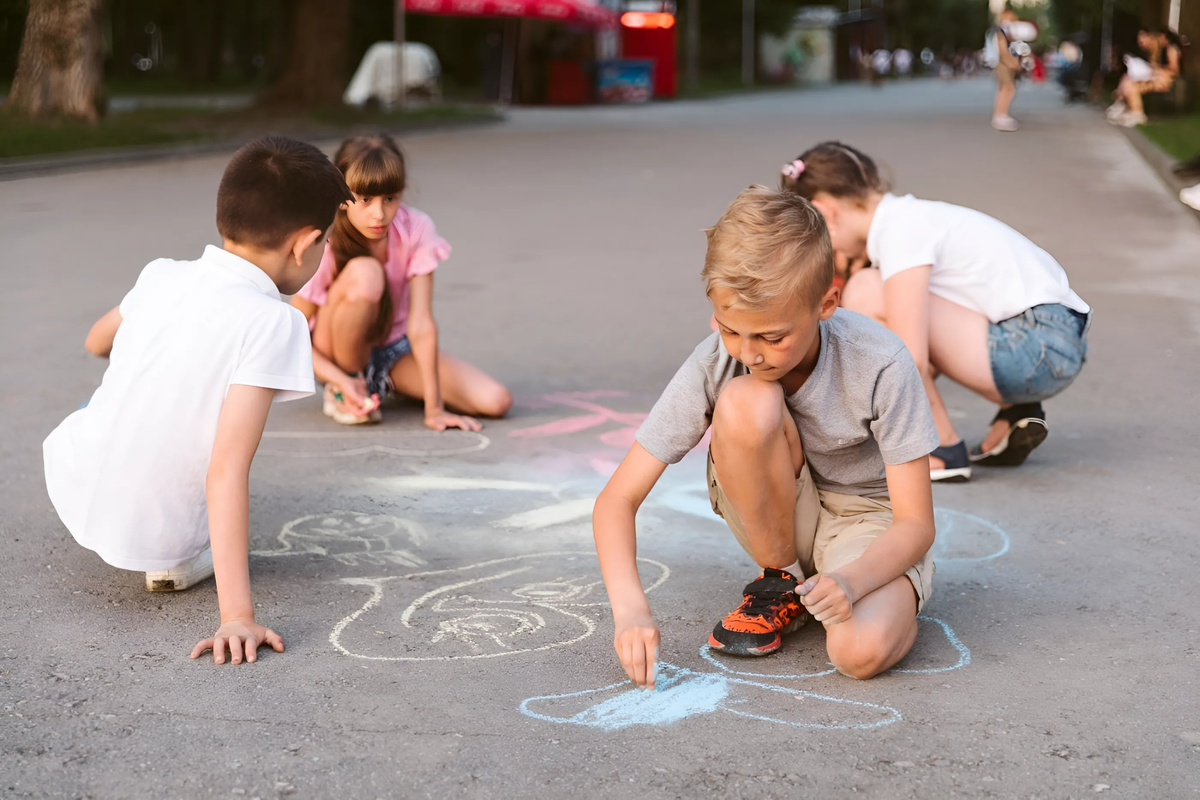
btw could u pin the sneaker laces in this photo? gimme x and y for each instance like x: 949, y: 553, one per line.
x: 764, y: 596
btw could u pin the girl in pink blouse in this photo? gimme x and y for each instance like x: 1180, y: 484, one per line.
x: 370, y: 304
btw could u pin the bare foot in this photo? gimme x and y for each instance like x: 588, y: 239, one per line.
x: 995, y: 435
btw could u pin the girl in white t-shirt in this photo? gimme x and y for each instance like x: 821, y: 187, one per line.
x: 370, y: 305
x: 971, y: 298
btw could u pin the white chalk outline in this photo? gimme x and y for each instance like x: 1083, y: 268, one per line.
x: 964, y: 658
x: 895, y: 715
x: 547, y: 516
x: 446, y: 483
x: 1006, y: 542
x: 482, y: 443
x: 417, y: 536
x: 377, y: 594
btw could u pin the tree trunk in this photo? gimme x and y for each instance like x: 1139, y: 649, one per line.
x: 60, y: 67
x: 315, y: 71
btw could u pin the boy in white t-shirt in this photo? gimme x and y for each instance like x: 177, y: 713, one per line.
x: 153, y: 472
x: 972, y: 299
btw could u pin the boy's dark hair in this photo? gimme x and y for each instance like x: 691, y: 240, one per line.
x: 273, y: 187
x: 835, y: 169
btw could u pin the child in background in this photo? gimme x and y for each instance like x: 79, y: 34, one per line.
x: 370, y: 305
x: 972, y: 298
x: 820, y: 432
x: 153, y: 472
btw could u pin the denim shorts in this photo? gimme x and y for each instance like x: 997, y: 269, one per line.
x: 379, y: 366
x: 1037, y: 354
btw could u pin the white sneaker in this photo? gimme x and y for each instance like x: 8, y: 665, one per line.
x: 1191, y: 196
x: 181, y: 576
x: 1130, y: 119
x: 1115, y: 110
x: 1003, y: 122
x: 334, y: 409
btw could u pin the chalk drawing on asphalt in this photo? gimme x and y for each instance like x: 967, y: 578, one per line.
x: 966, y: 537
x: 681, y: 693
x: 923, y: 659
x: 595, y: 415
x: 352, y: 538
x: 502, y: 607
x: 414, y: 442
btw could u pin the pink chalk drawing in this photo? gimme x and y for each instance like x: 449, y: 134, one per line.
x: 597, y: 415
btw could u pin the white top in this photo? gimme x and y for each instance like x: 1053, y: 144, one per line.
x: 976, y: 261
x: 127, y: 473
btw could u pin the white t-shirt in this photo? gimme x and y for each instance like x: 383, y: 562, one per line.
x: 127, y: 473
x: 976, y: 261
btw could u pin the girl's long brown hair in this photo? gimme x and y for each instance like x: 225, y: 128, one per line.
x: 373, y: 166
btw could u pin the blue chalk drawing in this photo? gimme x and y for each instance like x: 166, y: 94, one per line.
x: 954, y: 526
x: 682, y: 693
x: 964, y: 658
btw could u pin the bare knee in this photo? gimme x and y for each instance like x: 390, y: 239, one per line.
x: 862, y: 657
x: 362, y: 280
x: 749, y: 411
x: 864, y: 294
x: 495, y: 401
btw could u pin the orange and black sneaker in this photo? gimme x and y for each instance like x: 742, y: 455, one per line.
x: 769, y: 609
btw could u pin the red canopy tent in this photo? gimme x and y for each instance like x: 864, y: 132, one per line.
x: 578, y: 12
x: 585, y: 13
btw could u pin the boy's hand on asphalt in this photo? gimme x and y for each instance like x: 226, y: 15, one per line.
x: 243, y: 639
x: 636, y: 642
x: 826, y: 598
x: 441, y: 420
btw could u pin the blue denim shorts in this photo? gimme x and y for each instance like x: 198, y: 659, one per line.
x: 1037, y: 354
x: 379, y: 366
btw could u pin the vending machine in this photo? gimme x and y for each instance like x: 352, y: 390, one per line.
x: 648, y: 34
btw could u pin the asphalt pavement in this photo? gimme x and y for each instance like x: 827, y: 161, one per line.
x: 447, y: 634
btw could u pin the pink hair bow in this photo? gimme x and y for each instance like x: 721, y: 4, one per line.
x: 794, y: 169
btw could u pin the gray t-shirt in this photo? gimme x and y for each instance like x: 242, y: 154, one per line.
x: 864, y: 406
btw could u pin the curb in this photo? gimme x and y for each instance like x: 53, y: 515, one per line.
x: 1160, y: 162
x: 34, y: 166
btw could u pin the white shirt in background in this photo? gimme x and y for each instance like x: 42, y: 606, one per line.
x: 976, y: 261
x: 127, y: 473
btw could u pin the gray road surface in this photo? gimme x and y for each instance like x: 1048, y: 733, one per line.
x: 447, y: 635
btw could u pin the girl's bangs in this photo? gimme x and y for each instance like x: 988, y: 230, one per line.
x: 379, y: 172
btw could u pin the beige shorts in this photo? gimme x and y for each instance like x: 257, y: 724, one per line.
x: 831, y: 529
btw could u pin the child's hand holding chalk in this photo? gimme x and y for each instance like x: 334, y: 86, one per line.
x: 826, y: 598
x: 637, y: 641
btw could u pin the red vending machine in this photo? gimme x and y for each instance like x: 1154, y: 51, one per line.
x: 648, y: 32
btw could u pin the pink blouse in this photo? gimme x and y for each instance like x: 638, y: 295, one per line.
x: 414, y: 248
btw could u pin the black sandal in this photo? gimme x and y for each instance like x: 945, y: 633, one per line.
x: 956, y: 463
x: 1026, y: 430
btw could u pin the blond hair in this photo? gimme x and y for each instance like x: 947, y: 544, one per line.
x: 769, y: 246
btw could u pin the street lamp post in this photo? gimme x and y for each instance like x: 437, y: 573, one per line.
x: 398, y: 66
x: 693, y: 45
x: 748, y: 42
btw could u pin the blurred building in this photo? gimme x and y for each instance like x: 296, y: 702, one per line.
x: 805, y: 53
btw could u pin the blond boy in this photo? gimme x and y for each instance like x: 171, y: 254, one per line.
x: 820, y: 435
